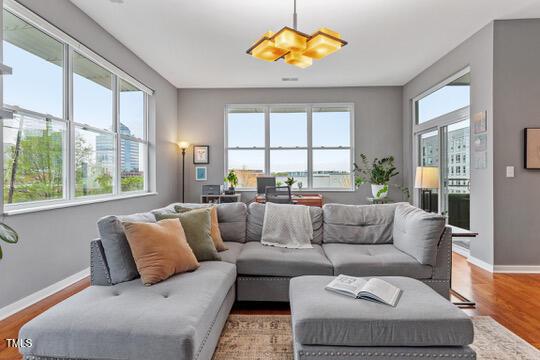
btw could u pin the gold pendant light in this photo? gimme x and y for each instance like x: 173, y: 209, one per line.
x: 295, y: 47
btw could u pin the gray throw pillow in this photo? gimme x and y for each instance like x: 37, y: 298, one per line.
x: 197, y: 227
x: 116, y: 247
x: 418, y: 233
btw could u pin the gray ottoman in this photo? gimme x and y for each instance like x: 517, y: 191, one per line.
x: 423, y: 325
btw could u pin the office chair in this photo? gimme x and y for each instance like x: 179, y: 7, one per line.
x: 278, y: 194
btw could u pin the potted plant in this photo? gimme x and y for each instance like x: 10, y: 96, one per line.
x: 232, y: 180
x: 377, y: 173
x: 290, y: 182
x: 8, y: 235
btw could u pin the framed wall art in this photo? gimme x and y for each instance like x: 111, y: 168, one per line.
x: 532, y: 148
x: 201, y: 154
x: 479, y: 122
x: 201, y: 173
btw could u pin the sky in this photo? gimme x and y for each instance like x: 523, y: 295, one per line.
x: 37, y: 85
x: 443, y: 101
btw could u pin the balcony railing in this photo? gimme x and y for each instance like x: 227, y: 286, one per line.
x: 458, y: 202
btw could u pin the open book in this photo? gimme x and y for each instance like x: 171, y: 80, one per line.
x: 374, y: 289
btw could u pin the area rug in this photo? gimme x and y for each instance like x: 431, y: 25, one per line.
x: 268, y: 337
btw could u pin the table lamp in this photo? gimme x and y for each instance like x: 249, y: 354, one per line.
x: 427, y: 179
x: 183, y: 145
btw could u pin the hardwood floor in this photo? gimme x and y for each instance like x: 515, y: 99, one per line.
x: 511, y: 299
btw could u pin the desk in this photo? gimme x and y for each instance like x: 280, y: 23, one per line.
x: 300, y: 199
x: 220, y: 199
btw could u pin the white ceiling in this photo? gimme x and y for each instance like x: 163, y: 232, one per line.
x: 202, y: 43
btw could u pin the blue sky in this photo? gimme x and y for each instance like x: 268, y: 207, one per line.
x: 443, y: 101
x: 37, y: 85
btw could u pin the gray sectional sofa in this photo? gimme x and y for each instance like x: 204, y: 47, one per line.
x: 182, y: 317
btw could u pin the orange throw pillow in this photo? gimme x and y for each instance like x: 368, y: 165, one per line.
x: 160, y: 249
x: 215, y: 233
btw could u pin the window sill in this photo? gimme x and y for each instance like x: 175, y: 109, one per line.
x: 61, y: 205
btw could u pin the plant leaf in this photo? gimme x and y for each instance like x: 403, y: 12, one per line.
x: 8, y: 234
x: 383, y: 190
x: 1, y: 253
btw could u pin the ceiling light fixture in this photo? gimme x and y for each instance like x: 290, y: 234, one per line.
x: 295, y: 47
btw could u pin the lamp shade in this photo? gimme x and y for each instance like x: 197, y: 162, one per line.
x: 265, y: 49
x: 183, y: 145
x: 427, y: 177
x: 290, y: 39
x: 323, y: 43
x: 297, y: 59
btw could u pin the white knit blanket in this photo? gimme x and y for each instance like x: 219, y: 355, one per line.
x: 287, y: 226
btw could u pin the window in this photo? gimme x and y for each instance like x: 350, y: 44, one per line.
x: 92, y: 93
x: 288, y: 144
x: 37, y: 59
x: 442, y: 119
x: 453, y: 96
x: 73, y: 135
x: 34, y: 159
x: 311, y: 143
x: 133, y: 148
x: 246, y: 140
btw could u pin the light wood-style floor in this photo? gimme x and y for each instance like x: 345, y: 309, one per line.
x: 511, y: 299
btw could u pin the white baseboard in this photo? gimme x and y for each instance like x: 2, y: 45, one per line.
x: 518, y: 269
x: 31, y: 299
x: 461, y: 250
x: 480, y: 263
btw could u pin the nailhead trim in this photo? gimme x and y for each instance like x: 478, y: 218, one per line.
x: 260, y: 278
x: 387, y: 354
x: 206, y: 337
x: 97, y: 260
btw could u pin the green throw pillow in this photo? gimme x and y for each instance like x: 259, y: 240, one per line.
x: 197, y: 226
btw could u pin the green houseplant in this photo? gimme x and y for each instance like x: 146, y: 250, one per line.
x: 377, y: 173
x: 232, y: 180
x: 290, y: 182
x: 7, y: 234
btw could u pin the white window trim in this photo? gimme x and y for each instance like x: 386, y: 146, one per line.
x: 309, y: 148
x: 70, y: 46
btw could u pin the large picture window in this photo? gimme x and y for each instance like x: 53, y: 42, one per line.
x: 79, y: 125
x: 309, y: 142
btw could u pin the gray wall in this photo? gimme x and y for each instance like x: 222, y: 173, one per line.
x: 476, y: 52
x: 377, y: 128
x: 516, y: 106
x: 55, y: 244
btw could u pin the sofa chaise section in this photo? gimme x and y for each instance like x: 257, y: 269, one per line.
x: 180, y: 318
x: 388, y: 240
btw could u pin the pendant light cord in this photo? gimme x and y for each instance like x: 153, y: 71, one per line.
x: 295, y: 20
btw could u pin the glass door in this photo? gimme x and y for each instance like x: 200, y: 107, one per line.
x: 428, y: 148
x: 455, y: 199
